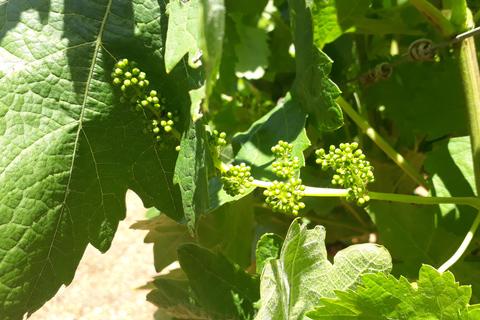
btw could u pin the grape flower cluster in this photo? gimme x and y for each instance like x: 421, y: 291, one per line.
x: 236, y: 178
x: 285, y: 196
x: 216, y: 141
x: 284, y: 167
x: 353, y: 171
x: 134, y: 86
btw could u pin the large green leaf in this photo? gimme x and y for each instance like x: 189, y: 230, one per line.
x: 291, y: 286
x: 437, y: 296
x: 313, y: 90
x: 216, y: 288
x: 70, y: 148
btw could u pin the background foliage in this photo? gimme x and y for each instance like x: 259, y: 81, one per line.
x: 70, y: 149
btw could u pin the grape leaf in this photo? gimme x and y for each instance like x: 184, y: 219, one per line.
x: 176, y: 299
x: 268, y: 247
x: 252, y: 50
x: 410, y: 232
x: 284, y: 122
x: 254, y: 7
x: 419, y: 91
x: 291, y: 285
x: 213, y: 32
x: 437, y: 296
x: 227, y: 80
x: 467, y: 272
x: 450, y: 168
x: 70, y: 148
x: 193, y: 183
x: 216, y: 288
x: 183, y: 33
x: 332, y: 18
x: 312, y: 88
x: 228, y: 229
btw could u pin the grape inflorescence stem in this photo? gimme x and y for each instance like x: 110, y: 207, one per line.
x: 380, y: 196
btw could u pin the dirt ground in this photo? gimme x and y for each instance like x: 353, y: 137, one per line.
x: 104, y: 284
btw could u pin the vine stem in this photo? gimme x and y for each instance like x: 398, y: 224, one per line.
x: 381, y: 143
x: 219, y: 164
x: 470, y: 201
x: 331, y: 192
x: 435, y: 16
x: 468, y: 67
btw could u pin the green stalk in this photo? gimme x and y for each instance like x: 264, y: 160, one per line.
x: 332, y: 192
x: 470, y: 201
x: 435, y: 16
x: 381, y: 143
x: 219, y: 164
x: 468, y: 67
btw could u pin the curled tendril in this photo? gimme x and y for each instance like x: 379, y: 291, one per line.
x: 285, y: 197
x: 134, y: 86
x: 353, y: 171
x: 236, y: 179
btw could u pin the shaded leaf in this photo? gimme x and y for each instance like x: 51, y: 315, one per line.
x: 285, y: 122
x: 216, y: 288
x: 246, y: 6
x: 333, y: 18
x: 252, y: 51
x: 421, y: 241
x: 313, y: 90
x: 420, y: 91
x: 228, y: 229
x: 450, y: 168
x: 191, y: 173
x: 177, y: 299
x: 218, y: 196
